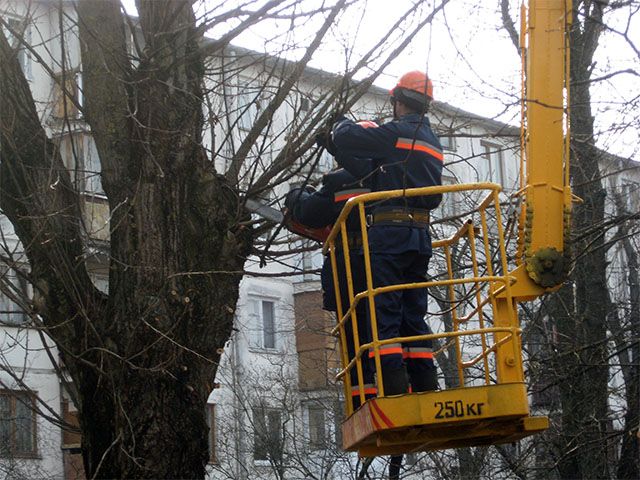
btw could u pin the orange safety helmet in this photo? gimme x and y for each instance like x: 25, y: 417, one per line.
x: 413, y: 89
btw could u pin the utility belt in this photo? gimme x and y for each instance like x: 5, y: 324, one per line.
x: 400, y: 217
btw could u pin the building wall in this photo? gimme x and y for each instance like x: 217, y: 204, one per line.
x: 288, y: 368
x: 315, y: 346
x: 25, y: 365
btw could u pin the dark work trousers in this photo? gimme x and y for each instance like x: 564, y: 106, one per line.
x: 401, y: 314
x: 329, y: 303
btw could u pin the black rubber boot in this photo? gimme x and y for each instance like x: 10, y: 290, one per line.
x: 426, y: 382
x: 395, y: 381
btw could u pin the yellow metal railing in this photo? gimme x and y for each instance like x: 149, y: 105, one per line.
x: 485, y: 332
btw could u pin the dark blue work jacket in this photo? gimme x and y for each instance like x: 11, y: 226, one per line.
x: 404, y: 153
x: 321, y: 208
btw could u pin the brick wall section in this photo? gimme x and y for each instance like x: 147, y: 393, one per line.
x: 73, y: 468
x: 317, y: 350
x: 71, y: 440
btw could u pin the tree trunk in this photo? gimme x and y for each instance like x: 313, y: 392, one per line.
x: 626, y: 333
x: 163, y: 437
x: 177, y: 246
x: 582, y: 355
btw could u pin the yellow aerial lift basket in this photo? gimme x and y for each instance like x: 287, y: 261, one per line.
x: 490, y: 404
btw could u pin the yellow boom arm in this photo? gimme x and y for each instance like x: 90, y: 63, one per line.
x: 547, y: 191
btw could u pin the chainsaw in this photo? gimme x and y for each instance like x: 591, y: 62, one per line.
x: 284, y: 218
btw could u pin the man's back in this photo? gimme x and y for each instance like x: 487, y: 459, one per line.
x: 404, y: 153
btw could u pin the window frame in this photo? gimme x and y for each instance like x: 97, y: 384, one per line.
x: 338, y: 418
x: 262, y: 421
x: 268, y: 332
x: 80, y: 155
x: 629, y: 189
x: 211, y: 437
x: 448, y: 206
x: 319, y: 443
x: 493, y: 153
x: 74, y: 84
x: 451, y: 145
x: 307, y: 262
x: 252, y: 96
x: 305, y: 103
x: 13, y: 396
x: 257, y: 326
x: 20, y: 287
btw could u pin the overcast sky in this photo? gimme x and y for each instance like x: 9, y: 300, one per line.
x: 471, y: 60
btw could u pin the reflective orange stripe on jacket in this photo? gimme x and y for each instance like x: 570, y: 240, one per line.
x: 417, y: 352
x: 343, y: 195
x: 421, y: 146
x: 391, y: 349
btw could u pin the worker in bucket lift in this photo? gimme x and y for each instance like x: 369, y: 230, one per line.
x: 403, y: 153
x: 317, y: 209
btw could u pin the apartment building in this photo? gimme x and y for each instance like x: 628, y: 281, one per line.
x: 276, y: 408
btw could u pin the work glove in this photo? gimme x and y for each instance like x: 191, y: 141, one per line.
x: 291, y: 198
x: 339, y: 121
x: 324, y: 140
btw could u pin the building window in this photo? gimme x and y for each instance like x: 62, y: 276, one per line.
x: 338, y: 418
x: 268, y: 437
x: 250, y: 102
x: 20, y: 28
x: 211, y: 423
x: 628, y: 196
x: 80, y: 156
x: 317, y: 428
x: 252, y: 99
x: 307, y: 262
x: 66, y: 100
x: 263, y: 328
x: 17, y: 424
x: 448, y: 143
x: 449, y: 205
x: 13, y: 289
x: 268, y: 324
x: 92, y: 169
x: 493, y: 167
